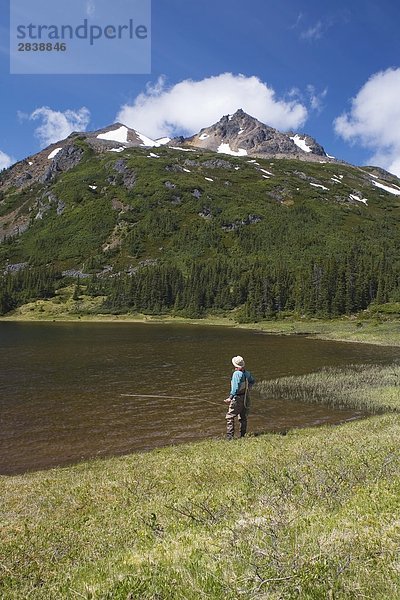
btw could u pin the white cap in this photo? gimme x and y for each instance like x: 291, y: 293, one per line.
x: 238, y: 361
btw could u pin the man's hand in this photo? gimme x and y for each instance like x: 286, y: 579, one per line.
x: 227, y: 400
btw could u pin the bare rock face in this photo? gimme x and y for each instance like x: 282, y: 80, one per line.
x: 241, y: 134
x: 67, y: 158
x: 128, y: 176
x: 23, y: 179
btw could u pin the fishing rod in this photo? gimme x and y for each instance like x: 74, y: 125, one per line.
x: 168, y: 397
x: 178, y: 398
x: 159, y: 396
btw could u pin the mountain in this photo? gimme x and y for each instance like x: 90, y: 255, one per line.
x: 159, y: 225
x: 67, y: 153
x: 235, y: 135
x: 242, y: 135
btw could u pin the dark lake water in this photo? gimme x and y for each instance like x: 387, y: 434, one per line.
x: 64, y: 387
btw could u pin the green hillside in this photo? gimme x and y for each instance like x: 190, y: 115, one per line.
x: 191, y: 232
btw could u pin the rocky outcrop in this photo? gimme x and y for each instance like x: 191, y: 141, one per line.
x: 169, y: 185
x: 216, y: 163
x: 249, y: 220
x: 23, y: 179
x: 67, y: 158
x: 127, y: 175
x: 205, y: 213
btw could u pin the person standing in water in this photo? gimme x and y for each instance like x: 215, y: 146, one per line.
x: 239, y: 399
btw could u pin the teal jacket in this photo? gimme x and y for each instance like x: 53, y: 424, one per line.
x: 238, y: 382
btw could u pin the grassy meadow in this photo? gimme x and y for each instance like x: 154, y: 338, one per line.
x: 313, y: 514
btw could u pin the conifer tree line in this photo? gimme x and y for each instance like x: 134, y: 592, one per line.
x: 324, y: 286
x: 25, y: 285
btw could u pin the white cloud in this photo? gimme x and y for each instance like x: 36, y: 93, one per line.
x: 374, y: 119
x: 190, y: 105
x: 5, y: 160
x: 316, y: 98
x: 297, y: 22
x: 313, y: 33
x: 58, y: 125
x: 338, y: 18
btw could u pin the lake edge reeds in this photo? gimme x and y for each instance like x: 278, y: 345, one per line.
x: 370, y: 388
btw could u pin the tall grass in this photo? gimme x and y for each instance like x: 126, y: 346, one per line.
x: 370, y: 388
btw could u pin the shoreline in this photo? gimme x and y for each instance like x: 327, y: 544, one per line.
x: 366, y: 331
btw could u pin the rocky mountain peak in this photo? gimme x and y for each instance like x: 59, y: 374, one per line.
x: 241, y: 134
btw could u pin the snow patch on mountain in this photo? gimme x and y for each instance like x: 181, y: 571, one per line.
x: 115, y: 135
x: 391, y: 190
x: 147, y: 141
x: 182, y: 149
x: 320, y: 186
x: 54, y: 153
x: 358, y: 199
x: 163, y: 141
x: 301, y: 143
x: 121, y: 135
x: 226, y: 149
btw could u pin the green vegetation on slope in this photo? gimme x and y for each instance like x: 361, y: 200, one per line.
x: 228, y: 235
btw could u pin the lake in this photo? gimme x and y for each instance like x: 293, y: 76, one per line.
x: 72, y: 391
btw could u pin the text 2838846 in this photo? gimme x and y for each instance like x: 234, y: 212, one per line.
x: 42, y: 47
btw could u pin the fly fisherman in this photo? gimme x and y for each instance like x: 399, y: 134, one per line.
x: 239, y: 399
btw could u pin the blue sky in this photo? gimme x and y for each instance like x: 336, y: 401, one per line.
x: 331, y: 70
